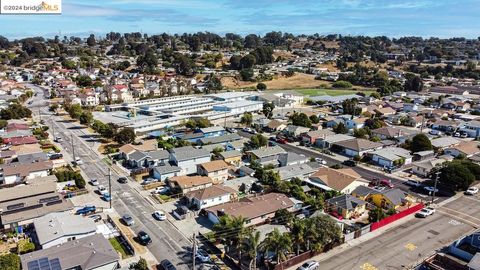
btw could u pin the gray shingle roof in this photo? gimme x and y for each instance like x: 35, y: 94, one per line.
x: 230, y: 137
x: 363, y: 191
x: 269, y: 151
x: 288, y: 172
x: 189, y: 152
x: 137, y: 155
x: 396, y: 196
x: 87, y: 253
x: 346, y: 201
x: 159, y: 154
x: 166, y: 169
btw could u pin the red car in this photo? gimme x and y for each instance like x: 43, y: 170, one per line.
x: 282, y: 141
x: 383, y: 182
x: 336, y: 215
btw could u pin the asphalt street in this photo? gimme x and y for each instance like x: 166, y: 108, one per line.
x: 404, y: 246
x: 168, y: 242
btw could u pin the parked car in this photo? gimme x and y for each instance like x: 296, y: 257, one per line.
x: 148, y: 181
x: 381, y: 183
x: 161, y: 190
x: 425, y: 212
x: 430, y: 189
x: 309, y: 265
x: 350, y: 163
x: 471, y: 191
x: 167, y: 265
x: 122, y: 180
x: 202, y: 256
x: 95, y: 218
x: 102, y: 189
x: 94, y: 182
x: 86, y: 210
x: 58, y: 139
x: 106, y: 197
x: 321, y: 161
x: 456, y: 134
x: 464, y: 135
x: 413, y: 183
x: 55, y: 156
x: 231, y: 130
x: 144, y: 238
x: 77, y: 161
x: 128, y: 220
x: 159, y: 215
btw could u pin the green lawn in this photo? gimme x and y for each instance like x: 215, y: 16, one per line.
x: 118, y: 247
x: 331, y: 92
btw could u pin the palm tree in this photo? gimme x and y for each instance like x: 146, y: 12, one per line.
x: 251, y: 244
x: 297, y: 231
x: 231, y: 230
x: 279, y: 243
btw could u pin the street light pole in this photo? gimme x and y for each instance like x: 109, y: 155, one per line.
x: 110, y: 186
x: 435, y: 186
x: 73, y: 149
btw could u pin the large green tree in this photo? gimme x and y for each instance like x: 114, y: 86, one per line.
x: 280, y: 244
x: 126, y: 135
x: 300, y: 119
x: 10, y: 261
x: 420, y: 142
x: 268, y: 108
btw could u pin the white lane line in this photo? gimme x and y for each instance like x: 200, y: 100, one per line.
x: 461, y: 213
x: 472, y: 198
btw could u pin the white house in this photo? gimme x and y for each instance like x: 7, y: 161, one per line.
x: 13, y: 173
x: 210, y: 196
x: 391, y: 156
x: 58, y: 228
x: 472, y: 128
x: 166, y: 171
x: 187, y: 158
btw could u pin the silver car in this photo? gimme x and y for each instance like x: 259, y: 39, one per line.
x: 309, y: 265
x: 128, y: 220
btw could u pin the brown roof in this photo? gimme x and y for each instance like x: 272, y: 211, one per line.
x: 190, y: 181
x: 25, y: 169
x: 468, y: 148
x: 255, y: 206
x: 215, y: 165
x: 146, y: 146
x: 274, y: 124
x: 358, y: 144
x: 26, y: 148
x: 385, y: 110
x: 388, y: 131
x: 319, y: 133
x: 335, y: 179
x: 210, y: 192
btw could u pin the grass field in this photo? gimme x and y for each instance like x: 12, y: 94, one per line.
x: 118, y: 247
x: 331, y: 92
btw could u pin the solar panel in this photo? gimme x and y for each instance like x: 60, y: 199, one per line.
x: 44, y: 264
x: 49, y: 199
x: 15, y: 206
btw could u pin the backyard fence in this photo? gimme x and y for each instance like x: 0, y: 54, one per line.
x: 376, y: 225
x: 122, y: 238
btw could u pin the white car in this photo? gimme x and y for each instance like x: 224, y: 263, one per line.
x: 413, y: 183
x: 425, y: 212
x: 161, y: 190
x: 202, y: 256
x: 78, y: 161
x: 471, y: 191
x: 94, y: 182
x: 321, y: 161
x: 435, y: 132
x: 431, y: 189
x: 160, y: 215
x: 102, y: 189
x: 309, y: 265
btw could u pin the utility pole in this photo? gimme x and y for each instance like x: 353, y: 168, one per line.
x: 225, y: 120
x: 194, y: 251
x: 435, y: 186
x: 110, y: 185
x: 73, y: 149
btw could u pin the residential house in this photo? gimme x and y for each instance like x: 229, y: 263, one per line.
x: 210, y: 196
x: 291, y: 158
x: 164, y: 172
x: 472, y: 128
x: 232, y: 157
x: 363, y: 192
x: 391, y: 157
x: 465, y: 148
x: 157, y: 158
x: 423, y: 168
x: 23, y: 203
x: 236, y: 145
x: 295, y: 131
x: 276, y: 125
x: 300, y: 171
x: 58, y: 228
x: 212, y: 131
x: 90, y: 253
x: 385, y: 111
x: 256, y: 210
x: 187, y: 158
x: 445, y: 125
x: 390, y: 198
x: 423, y: 155
x: 146, y: 146
x: 356, y: 123
x: 268, y: 155
x: 186, y: 184
x: 346, y: 205
x: 241, y: 185
x: 217, y: 170
x: 312, y: 136
x: 246, y: 171
x: 444, y: 142
x: 330, y: 140
x: 16, y: 173
x: 342, y: 180
x: 20, y: 140
x: 385, y: 133
x: 357, y: 147
x: 221, y: 139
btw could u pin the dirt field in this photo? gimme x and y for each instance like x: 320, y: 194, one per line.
x: 331, y: 92
x: 299, y: 80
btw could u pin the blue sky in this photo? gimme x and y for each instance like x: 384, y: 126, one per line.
x: 394, y: 18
